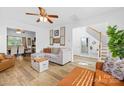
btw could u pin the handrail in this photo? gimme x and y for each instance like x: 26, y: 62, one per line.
x: 96, y: 30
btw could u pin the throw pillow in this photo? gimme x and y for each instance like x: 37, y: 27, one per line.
x: 108, y: 66
x: 118, y: 71
x: 47, y: 50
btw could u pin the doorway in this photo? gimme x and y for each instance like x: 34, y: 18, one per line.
x: 20, y: 42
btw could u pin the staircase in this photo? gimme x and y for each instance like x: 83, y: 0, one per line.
x: 104, y: 51
x: 102, y: 38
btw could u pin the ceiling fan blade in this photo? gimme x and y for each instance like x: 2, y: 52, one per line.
x: 32, y: 14
x: 40, y: 8
x: 49, y: 20
x: 42, y: 11
x: 38, y: 20
x: 53, y: 16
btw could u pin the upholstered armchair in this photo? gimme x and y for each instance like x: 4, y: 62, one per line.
x: 6, y: 61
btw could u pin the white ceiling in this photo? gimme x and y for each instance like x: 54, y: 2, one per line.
x: 66, y: 15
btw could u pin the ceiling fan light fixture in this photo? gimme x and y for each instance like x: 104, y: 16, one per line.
x: 43, y: 19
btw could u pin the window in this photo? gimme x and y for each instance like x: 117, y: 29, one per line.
x: 14, y: 40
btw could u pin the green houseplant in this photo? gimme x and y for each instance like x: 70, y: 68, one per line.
x: 116, y: 41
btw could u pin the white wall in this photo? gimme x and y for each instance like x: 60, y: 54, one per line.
x: 3, y: 38
x: 42, y: 37
x: 76, y: 39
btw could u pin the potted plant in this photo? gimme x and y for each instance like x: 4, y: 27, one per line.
x: 116, y: 41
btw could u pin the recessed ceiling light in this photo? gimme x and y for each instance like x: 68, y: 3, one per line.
x: 18, y: 31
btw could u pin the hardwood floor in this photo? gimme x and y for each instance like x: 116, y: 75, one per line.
x: 22, y: 74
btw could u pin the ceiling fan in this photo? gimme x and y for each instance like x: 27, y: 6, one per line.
x: 43, y: 16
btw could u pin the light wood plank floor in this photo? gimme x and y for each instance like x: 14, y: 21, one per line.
x: 22, y: 73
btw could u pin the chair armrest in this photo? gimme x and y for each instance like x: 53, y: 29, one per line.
x: 99, y: 65
x: 5, y: 60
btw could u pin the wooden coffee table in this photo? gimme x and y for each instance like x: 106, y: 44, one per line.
x: 40, y: 64
x: 39, y: 59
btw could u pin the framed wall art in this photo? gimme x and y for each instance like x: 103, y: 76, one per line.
x: 56, y: 40
x: 51, y: 37
x: 56, y: 33
x: 62, y: 36
x: 57, y: 36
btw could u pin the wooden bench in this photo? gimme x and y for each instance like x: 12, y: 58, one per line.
x: 78, y: 77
